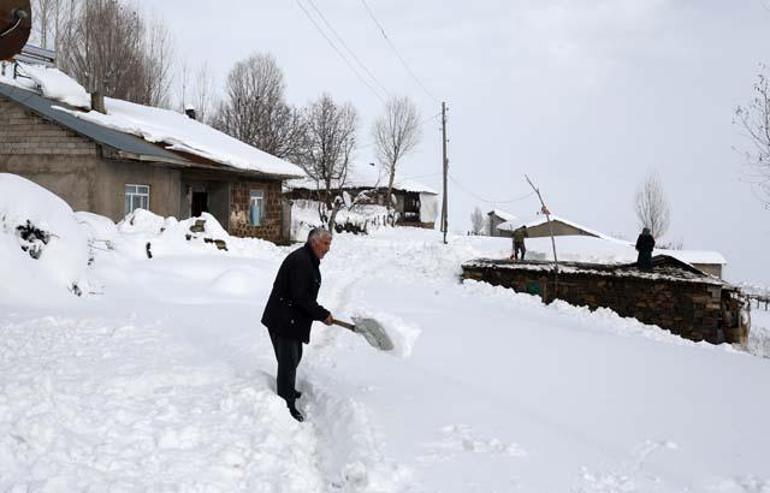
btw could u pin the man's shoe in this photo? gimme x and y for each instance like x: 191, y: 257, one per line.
x: 296, y: 414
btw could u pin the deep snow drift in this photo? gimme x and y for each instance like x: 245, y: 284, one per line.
x: 160, y: 377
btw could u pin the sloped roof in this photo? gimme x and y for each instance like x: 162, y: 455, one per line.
x: 50, y: 110
x: 542, y: 219
x: 505, y: 216
x: 169, y: 130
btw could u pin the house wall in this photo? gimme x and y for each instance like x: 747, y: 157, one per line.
x: 696, y: 311
x: 113, y: 176
x: 216, y: 185
x: 493, y: 221
x: 272, y: 228
x: 53, y: 157
x: 73, y: 168
x: 713, y: 269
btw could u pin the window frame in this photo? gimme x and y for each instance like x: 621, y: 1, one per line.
x: 257, y: 196
x: 129, y: 197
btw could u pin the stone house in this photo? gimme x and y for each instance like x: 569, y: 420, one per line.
x: 674, y: 295
x: 133, y: 156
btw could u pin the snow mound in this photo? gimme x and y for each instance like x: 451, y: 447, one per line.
x: 43, y: 248
x: 144, y: 222
x: 235, y: 282
x: 100, y: 230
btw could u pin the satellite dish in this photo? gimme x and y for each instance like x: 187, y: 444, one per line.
x: 15, y: 26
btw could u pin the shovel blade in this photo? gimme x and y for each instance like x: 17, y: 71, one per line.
x: 374, y: 333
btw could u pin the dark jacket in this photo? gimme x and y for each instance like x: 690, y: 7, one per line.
x: 292, y: 305
x: 644, y: 245
x: 519, y: 235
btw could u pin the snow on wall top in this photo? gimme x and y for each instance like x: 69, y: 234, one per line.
x: 173, y: 130
x: 366, y: 177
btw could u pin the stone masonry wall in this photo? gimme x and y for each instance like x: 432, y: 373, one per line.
x: 692, y: 310
x: 271, y: 228
x: 55, y: 158
x: 24, y: 133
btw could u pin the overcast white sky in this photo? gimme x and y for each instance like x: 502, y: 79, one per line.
x: 585, y: 96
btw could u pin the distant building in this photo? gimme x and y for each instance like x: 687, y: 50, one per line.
x: 495, y: 218
x: 415, y: 204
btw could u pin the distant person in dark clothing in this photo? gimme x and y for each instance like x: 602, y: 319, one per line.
x: 291, y: 310
x: 518, y: 242
x: 644, y: 245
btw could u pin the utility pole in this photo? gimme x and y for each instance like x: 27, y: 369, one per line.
x: 547, y: 213
x: 445, y: 165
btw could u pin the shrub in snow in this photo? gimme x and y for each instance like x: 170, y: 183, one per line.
x: 357, y: 219
x: 33, y: 239
x: 42, y: 246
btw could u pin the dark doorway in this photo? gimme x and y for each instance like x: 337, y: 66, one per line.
x: 200, y: 203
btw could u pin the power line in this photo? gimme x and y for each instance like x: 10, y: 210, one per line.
x: 398, y: 54
x: 345, y: 45
x: 478, y: 197
x: 430, y: 118
x: 342, y: 55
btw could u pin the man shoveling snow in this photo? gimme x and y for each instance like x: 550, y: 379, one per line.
x: 291, y: 309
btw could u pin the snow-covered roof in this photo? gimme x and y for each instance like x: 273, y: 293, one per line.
x: 605, y: 249
x: 366, y: 176
x: 602, y: 247
x: 172, y: 130
x: 505, y: 216
x: 541, y: 219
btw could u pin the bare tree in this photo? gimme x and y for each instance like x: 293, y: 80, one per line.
x: 255, y: 111
x: 108, y: 48
x: 329, y: 140
x: 651, y: 205
x: 49, y: 20
x: 396, y: 133
x: 755, y: 120
x: 477, y: 221
x: 197, y: 91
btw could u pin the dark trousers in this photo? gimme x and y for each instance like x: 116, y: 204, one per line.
x: 519, y: 251
x: 288, y: 352
x: 644, y: 261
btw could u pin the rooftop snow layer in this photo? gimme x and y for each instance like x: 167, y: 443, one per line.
x: 505, y: 216
x: 603, y: 248
x: 174, y: 131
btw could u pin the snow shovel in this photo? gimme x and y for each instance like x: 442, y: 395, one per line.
x: 372, y: 331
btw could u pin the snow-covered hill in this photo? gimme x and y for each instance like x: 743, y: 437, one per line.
x: 160, y: 377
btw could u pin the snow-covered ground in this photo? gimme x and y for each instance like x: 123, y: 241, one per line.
x: 163, y: 378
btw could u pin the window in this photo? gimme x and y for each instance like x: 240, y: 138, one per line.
x: 256, y: 207
x: 137, y: 197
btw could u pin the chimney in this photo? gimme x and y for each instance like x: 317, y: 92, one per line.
x: 189, y: 110
x: 97, y: 102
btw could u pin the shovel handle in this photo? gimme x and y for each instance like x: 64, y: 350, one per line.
x: 342, y: 323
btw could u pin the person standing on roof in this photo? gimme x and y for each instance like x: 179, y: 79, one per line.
x: 644, y: 245
x: 518, y: 242
x: 291, y: 310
